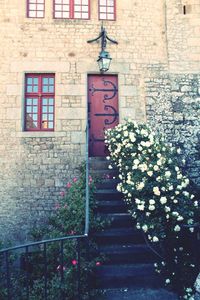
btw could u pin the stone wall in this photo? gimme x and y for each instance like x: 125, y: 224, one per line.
x: 173, y: 109
x: 154, y: 39
x: 35, y: 166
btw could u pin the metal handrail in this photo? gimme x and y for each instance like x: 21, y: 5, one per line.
x: 61, y: 239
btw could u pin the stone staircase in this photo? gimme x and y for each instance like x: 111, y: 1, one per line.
x: 129, y: 264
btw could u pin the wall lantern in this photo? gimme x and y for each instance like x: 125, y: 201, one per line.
x: 104, y: 58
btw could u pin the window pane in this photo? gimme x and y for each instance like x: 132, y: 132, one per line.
x: 58, y: 14
x: 45, y: 80
x: 77, y: 15
x: 50, y: 109
x: 51, y: 81
x: 51, y: 89
x: 35, y: 89
x: 29, y: 80
x: 85, y: 15
x: 32, y: 14
x: 50, y: 117
x: 29, y: 89
x: 44, y: 102
x: 45, y: 88
x: 29, y: 109
x: 35, y: 101
x: 29, y: 101
x: 50, y: 125
x: 51, y: 101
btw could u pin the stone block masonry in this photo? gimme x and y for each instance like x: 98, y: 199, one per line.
x: 155, y: 41
x: 173, y: 109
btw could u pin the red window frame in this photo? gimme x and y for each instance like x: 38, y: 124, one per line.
x: 36, y: 3
x: 39, y: 102
x: 106, y: 10
x: 62, y: 9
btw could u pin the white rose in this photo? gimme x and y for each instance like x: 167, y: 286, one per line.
x: 156, y: 191
x: 159, y: 162
x: 155, y: 239
x: 167, y: 209
x: 149, y: 173
x: 140, y: 207
x: 144, y: 132
x: 132, y: 137
x: 151, y: 207
x: 156, y: 168
x: 177, y: 228
x: 163, y: 200
x: 152, y: 202
x: 140, y: 186
x: 167, y: 281
x: 148, y: 144
x: 145, y: 228
x: 167, y: 174
x: 136, y: 161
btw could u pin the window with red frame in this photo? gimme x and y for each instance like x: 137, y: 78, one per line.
x: 35, y: 8
x: 39, y: 102
x: 107, y: 9
x: 71, y: 9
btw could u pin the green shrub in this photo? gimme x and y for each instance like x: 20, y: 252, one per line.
x: 68, y: 218
x: 158, y: 197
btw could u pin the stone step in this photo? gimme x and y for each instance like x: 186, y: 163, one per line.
x: 136, y: 294
x: 111, y: 206
x: 107, y: 194
x: 107, y: 184
x: 117, y: 219
x: 125, y: 275
x: 99, y: 164
x: 104, y: 174
x: 128, y: 253
x: 119, y: 236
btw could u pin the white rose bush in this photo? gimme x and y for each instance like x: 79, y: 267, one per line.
x: 158, y: 197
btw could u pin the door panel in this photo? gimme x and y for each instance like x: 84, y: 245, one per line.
x: 103, y: 110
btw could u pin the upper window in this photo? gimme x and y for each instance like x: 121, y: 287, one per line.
x: 71, y: 9
x: 107, y: 9
x: 39, y: 102
x: 35, y: 8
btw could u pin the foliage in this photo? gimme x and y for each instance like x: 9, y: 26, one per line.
x: 158, y: 197
x: 68, y: 219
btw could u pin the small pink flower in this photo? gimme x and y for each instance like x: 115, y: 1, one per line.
x: 68, y: 185
x: 65, y: 206
x: 75, y: 179
x: 74, y: 262
x: 98, y: 263
x: 57, y: 206
x: 62, y: 194
x: 72, y: 232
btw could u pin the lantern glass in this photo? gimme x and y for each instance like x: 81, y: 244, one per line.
x: 104, y: 61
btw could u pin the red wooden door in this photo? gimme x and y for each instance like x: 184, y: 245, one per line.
x: 102, y: 110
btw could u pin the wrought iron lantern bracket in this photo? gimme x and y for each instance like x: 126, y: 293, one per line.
x: 104, y: 37
x: 104, y: 59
